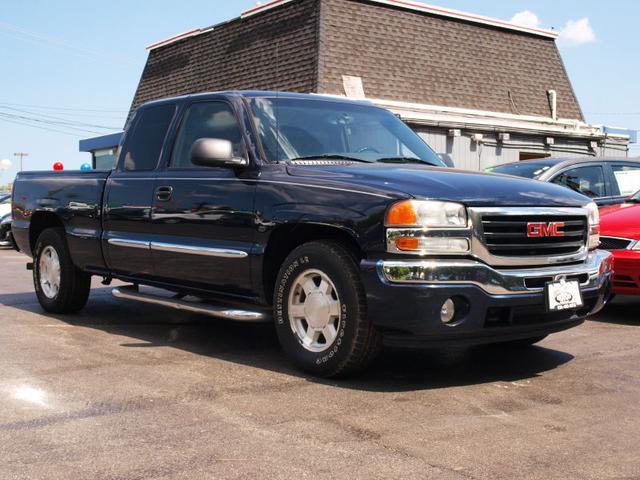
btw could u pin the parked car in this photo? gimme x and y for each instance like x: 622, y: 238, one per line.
x: 6, y: 236
x: 607, y: 181
x: 330, y: 218
x: 620, y: 228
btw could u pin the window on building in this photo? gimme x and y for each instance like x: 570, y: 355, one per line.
x: 143, y: 145
x: 586, y: 180
x: 627, y: 179
x: 206, y: 120
x: 104, y: 159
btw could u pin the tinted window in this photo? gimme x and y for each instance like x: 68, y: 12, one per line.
x: 586, y: 180
x: 144, y: 143
x: 525, y: 169
x: 206, y: 120
x: 293, y: 129
x: 627, y: 178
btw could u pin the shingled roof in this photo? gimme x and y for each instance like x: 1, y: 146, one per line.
x: 402, y: 51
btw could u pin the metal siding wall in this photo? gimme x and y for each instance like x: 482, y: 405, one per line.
x: 465, y: 153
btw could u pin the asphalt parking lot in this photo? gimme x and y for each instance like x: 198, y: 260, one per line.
x: 130, y: 391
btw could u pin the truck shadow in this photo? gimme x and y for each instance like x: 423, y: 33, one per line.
x: 623, y: 310
x: 256, y: 345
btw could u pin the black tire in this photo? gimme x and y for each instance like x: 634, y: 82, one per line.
x: 357, y: 342
x: 73, y: 291
x: 525, y: 342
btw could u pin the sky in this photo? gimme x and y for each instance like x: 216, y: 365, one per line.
x: 75, y: 64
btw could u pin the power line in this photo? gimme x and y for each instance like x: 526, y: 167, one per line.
x: 42, y: 107
x: 68, y: 125
x: 41, y: 128
x: 53, y: 41
x: 61, y: 120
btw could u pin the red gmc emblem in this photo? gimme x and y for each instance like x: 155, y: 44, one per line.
x: 541, y: 229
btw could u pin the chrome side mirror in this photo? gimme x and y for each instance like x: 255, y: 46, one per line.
x: 214, y: 152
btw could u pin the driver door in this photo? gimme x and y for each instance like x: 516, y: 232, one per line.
x: 203, y: 217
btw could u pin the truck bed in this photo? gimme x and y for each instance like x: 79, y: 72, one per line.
x: 75, y: 198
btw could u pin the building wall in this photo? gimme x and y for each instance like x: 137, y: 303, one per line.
x: 421, y: 58
x: 275, y: 50
x: 469, y: 155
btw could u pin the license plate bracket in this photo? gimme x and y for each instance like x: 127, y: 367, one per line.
x: 563, y: 295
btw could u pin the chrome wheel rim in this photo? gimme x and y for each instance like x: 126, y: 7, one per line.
x: 314, y: 310
x: 49, y: 272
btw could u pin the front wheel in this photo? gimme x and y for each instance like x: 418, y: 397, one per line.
x: 60, y: 286
x: 320, y: 311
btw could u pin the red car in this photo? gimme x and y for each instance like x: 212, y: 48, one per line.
x: 620, y: 233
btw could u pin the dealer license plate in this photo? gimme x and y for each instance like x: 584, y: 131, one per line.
x: 564, y: 295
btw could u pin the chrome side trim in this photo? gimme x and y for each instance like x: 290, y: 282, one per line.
x: 121, y: 242
x: 493, y: 281
x: 192, y: 250
x: 131, y: 293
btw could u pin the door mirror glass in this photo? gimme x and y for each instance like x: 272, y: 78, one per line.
x: 214, y: 152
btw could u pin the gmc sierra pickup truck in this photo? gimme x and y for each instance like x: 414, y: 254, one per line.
x: 330, y: 218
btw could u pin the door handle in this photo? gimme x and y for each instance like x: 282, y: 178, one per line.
x: 163, y: 194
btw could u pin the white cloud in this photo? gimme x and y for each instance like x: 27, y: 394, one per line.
x: 577, y: 32
x: 526, y: 18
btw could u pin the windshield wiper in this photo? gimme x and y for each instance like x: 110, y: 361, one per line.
x: 331, y: 156
x: 632, y: 200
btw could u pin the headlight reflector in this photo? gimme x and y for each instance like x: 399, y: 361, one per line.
x: 427, y: 213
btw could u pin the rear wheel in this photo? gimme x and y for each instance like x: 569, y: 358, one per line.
x: 320, y: 311
x: 60, y: 286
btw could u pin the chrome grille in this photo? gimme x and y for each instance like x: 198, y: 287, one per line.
x: 613, y: 243
x: 506, y: 235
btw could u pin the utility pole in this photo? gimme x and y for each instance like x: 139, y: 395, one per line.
x: 21, y: 155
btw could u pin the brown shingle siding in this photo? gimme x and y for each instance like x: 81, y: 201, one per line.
x: 422, y: 58
x: 308, y: 45
x: 273, y: 50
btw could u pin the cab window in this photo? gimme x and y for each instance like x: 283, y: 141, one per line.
x: 144, y: 143
x: 586, y: 180
x: 206, y: 120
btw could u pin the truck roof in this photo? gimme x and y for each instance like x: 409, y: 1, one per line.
x: 262, y: 94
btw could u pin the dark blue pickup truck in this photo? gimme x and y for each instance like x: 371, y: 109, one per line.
x: 328, y: 217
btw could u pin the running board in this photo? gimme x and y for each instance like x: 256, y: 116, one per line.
x: 132, y: 293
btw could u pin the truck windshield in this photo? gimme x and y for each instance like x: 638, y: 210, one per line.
x: 299, y: 129
x: 523, y: 169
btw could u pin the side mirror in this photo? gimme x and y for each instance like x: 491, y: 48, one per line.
x: 214, y: 152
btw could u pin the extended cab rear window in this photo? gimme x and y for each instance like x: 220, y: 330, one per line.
x: 144, y: 142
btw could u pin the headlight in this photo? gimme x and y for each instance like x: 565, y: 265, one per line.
x: 594, y: 226
x: 427, y: 213
x: 636, y: 246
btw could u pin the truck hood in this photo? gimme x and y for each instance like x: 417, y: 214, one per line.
x: 621, y: 221
x: 469, y: 188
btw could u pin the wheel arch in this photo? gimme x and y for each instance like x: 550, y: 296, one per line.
x: 40, y: 221
x: 286, y: 237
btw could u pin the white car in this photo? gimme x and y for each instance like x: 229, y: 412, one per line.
x: 6, y: 236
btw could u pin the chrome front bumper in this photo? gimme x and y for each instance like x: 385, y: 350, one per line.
x: 593, y: 272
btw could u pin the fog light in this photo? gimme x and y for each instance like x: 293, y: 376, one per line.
x: 448, y: 311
